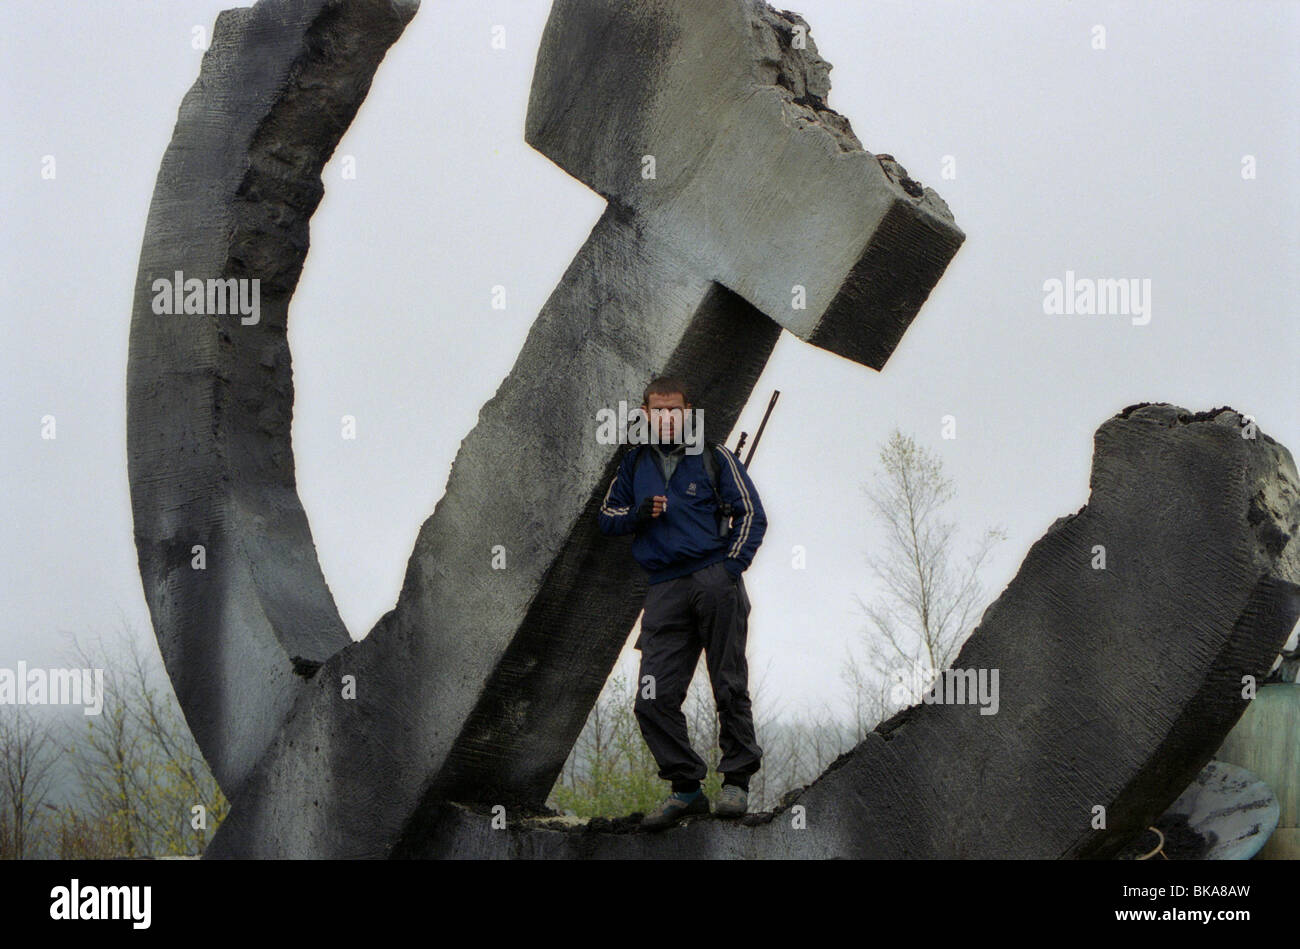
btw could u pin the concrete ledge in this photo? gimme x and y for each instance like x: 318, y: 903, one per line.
x: 1116, y: 685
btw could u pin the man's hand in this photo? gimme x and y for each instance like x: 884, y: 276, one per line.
x: 651, y: 507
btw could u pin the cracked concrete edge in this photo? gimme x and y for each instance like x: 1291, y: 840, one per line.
x: 1254, y: 604
x: 802, y: 77
x: 707, y: 97
x: 1274, y: 498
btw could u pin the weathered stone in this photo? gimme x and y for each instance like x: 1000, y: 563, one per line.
x: 765, y: 213
x: 764, y: 183
x: 1116, y: 684
x: 210, y: 397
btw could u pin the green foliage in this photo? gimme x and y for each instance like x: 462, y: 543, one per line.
x: 137, y: 773
x: 611, y: 773
x: 141, y: 772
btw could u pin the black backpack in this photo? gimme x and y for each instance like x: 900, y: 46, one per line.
x: 724, y: 510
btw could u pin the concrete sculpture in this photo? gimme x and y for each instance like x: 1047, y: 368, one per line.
x: 1116, y: 685
x: 674, y: 278
x: 739, y: 203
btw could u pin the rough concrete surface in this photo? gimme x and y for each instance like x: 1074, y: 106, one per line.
x: 1116, y: 685
x: 753, y: 171
x: 479, y: 680
x: 210, y: 397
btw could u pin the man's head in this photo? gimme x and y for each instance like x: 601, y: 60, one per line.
x: 666, y: 401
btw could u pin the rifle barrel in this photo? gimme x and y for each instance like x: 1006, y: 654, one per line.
x: 776, y: 394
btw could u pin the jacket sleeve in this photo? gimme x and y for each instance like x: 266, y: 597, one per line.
x: 749, y: 523
x: 618, y: 508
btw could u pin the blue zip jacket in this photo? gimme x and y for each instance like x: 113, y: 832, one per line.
x: 684, y: 538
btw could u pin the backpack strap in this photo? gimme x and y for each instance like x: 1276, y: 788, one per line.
x: 723, y: 512
x: 711, y: 467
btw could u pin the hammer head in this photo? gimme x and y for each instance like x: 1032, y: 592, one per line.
x: 708, y: 122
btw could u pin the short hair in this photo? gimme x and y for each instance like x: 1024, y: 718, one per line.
x: 666, y: 385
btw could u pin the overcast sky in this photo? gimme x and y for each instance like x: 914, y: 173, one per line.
x: 1122, y: 162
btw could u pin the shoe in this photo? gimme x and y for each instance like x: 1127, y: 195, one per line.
x: 732, y: 802
x: 673, y: 809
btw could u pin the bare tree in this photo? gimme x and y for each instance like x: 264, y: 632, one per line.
x: 928, y: 596
x: 144, y: 783
x: 27, y: 755
x: 869, y: 697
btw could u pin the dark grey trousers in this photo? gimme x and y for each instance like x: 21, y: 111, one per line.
x: 705, y: 610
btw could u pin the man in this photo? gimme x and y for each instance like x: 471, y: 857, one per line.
x: 696, y: 598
